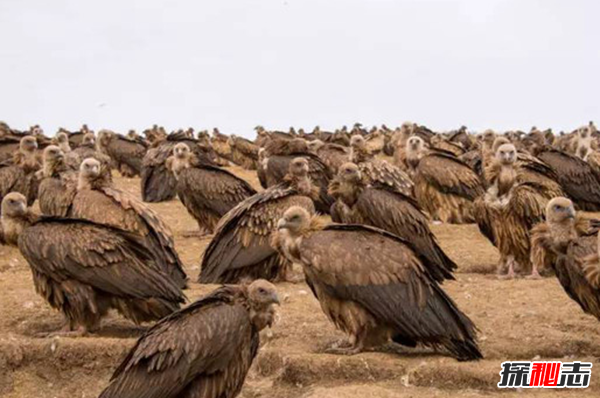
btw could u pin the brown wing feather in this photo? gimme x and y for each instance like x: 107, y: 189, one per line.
x: 56, y: 194
x: 381, y: 172
x: 449, y: 175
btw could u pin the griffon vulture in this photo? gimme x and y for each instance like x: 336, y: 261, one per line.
x: 18, y: 175
x: 127, y: 155
x: 333, y: 155
x: 240, y: 248
x: 207, y: 191
x: 204, y: 350
x: 58, y: 183
x: 98, y: 201
x: 84, y: 269
x: 243, y: 152
x: 374, y: 286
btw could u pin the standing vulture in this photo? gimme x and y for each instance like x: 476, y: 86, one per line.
x: 378, y: 171
x: 240, y: 248
x: 445, y: 187
x: 207, y: 191
x: 333, y: 155
x: 58, y: 183
x: 203, y: 351
x: 276, y: 159
x: 243, y: 152
x: 99, y: 201
x: 576, y: 177
x: 511, y: 206
x: 374, y: 286
x: 84, y: 269
x: 126, y: 154
x: 18, y: 175
x: 567, y: 244
x: 384, y: 208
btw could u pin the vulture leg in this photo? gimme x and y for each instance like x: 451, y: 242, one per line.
x: 511, y: 268
x: 68, y: 331
x: 535, y: 274
x: 352, y: 347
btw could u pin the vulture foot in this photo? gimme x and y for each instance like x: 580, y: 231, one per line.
x: 66, y: 331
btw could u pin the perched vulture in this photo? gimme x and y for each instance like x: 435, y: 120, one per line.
x: 378, y: 171
x: 158, y: 182
x: 62, y: 141
x: 84, y: 269
x: 204, y: 350
x: 18, y: 175
x: 207, y: 191
x: 99, y: 201
x: 243, y: 152
x: 511, y: 206
x: 333, y: 155
x: 576, y: 176
x: 77, y: 137
x: 126, y: 154
x: 240, y: 248
x: 275, y: 162
x: 445, y: 187
x: 384, y: 208
x: 58, y: 183
x: 567, y: 244
x: 374, y: 286
x: 9, y: 144
x: 220, y: 143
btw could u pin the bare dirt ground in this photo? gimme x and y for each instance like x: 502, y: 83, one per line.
x: 518, y: 320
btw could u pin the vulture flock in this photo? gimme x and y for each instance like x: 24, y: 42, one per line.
x: 352, y: 208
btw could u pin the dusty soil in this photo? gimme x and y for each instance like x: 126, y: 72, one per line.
x: 518, y: 320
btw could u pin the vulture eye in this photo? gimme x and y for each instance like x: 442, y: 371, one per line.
x: 262, y: 291
x: 557, y: 207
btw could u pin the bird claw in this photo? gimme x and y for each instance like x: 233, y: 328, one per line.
x: 66, y: 332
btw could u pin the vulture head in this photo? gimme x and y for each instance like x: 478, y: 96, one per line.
x: 488, y: 137
x: 357, y: 141
x: 296, y: 220
x: 28, y: 144
x: 90, y: 169
x: 62, y: 137
x: 315, y: 145
x: 105, y: 137
x: 506, y: 154
x: 298, y: 167
x: 498, y: 142
x: 560, y: 211
x: 583, y: 148
x: 37, y: 131
x: 132, y: 135
x: 262, y: 296
x: 14, y: 205
x: 89, y: 140
x: 53, y: 155
x: 415, y: 144
x: 349, y: 172
x: 181, y: 151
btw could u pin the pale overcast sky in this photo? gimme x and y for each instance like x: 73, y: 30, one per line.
x: 234, y: 64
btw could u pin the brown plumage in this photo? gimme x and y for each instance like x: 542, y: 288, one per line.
x: 333, y: 155
x: 58, y: 183
x: 240, y: 248
x: 512, y: 205
x: 87, y: 149
x: 99, y: 201
x: 374, y: 286
x: 18, y: 175
x: 126, y: 154
x: 83, y: 269
x: 378, y: 171
x: 202, y: 351
x: 382, y: 207
x: 207, y: 191
x: 445, y: 187
x: 244, y: 153
x: 567, y: 244
x: 275, y: 163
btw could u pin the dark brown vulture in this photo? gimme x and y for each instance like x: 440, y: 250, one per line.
x: 384, y: 208
x: 202, y: 351
x: 244, y: 153
x: 158, y: 183
x: 127, y: 155
x: 576, y: 177
x: 276, y: 159
x: 333, y: 155
x: 9, y: 144
x: 98, y: 201
x: 76, y: 137
x: 445, y: 187
x: 568, y: 245
x: 240, y: 248
x: 374, y: 286
x: 511, y: 206
x: 220, y: 143
x: 58, y: 183
x: 18, y: 175
x: 87, y: 149
x: 378, y: 171
x: 84, y: 269
x: 207, y: 191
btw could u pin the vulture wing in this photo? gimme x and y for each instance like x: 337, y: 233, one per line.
x: 450, y: 175
x: 383, y: 173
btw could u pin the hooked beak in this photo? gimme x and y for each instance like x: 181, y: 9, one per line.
x: 275, y: 299
x: 281, y: 224
x: 571, y: 213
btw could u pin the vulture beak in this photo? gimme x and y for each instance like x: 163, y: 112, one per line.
x: 571, y: 213
x: 281, y: 224
x: 275, y: 299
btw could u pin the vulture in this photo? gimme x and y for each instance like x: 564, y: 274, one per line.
x: 58, y: 183
x: 384, y: 208
x: 275, y: 162
x: 511, y: 206
x: 126, y: 154
x: 220, y: 143
x: 374, y: 286
x: 76, y: 137
x: 9, y: 144
x: 204, y: 350
x: 243, y: 152
x: 207, y: 191
x: 378, y: 171
x: 158, y: 182
x: 99, y: 201
x: 19, y: 175
x: 445, y: 186
x: 62, y: 141
x: 333, y: 155
x: 568, y: 244
x: 240, y: 248
x: 84, y: 269
x: 576, y: 176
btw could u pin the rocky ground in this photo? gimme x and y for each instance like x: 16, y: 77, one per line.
x: 518, y: 320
